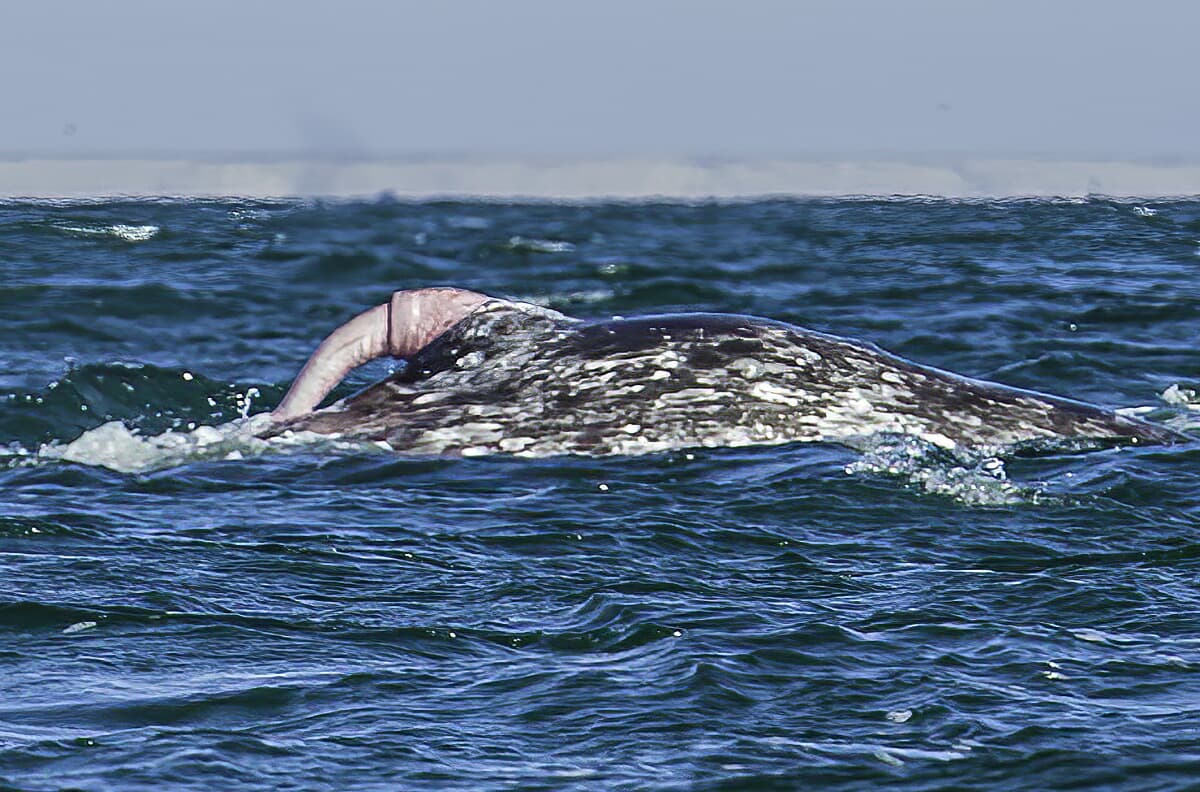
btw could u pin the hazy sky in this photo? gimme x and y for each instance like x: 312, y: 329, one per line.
x: 1066, y: 78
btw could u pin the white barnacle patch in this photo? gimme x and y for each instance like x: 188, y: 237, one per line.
x: 603, y: 364
x: 964, y: 419
x: 687, y: 395
x: 631, y: 428
x: 637, y: 446
x: 806, y: 357
x: 859, y: 406
x: 882, y: 397
x: 892, y: 377
x: 473, y: 438
x: 669, y: 359
x: 763, y: 430
x: 470, y: 360
x: 747, y: 367
x: 513, y: 445
x: 481, y: 427
x: 765, y: 391
x: 938, y: 439
x: 660, y: 375
x: 775, y: 368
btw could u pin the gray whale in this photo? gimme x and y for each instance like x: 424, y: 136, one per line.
x: 491, y: 376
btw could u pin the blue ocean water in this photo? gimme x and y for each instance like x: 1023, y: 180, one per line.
x: 765, y: 618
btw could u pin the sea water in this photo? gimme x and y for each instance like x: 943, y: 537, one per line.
x: 183, y: 606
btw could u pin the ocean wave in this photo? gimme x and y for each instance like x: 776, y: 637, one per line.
x: 148, y: 398
x: 129, y: 233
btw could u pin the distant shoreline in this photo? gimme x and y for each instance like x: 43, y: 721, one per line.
x: 583, y: 179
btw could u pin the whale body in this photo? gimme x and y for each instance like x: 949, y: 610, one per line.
x: 492, y: 376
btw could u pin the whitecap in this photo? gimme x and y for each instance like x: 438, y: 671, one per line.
x: 130, y: 233
x: 534, y: 245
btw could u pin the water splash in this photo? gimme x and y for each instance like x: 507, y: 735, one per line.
x: 246, y: 400
x: 976, y: 479
x: 1181, y: 411
x: 118, y: 447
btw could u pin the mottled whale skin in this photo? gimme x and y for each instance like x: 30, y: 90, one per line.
x: 514, y: 378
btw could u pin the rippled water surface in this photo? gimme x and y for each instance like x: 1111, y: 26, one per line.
x: 794, y: 616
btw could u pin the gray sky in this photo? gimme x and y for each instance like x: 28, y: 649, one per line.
x: 374, y: 78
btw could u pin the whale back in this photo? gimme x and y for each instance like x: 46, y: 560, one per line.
x: 511, y: 378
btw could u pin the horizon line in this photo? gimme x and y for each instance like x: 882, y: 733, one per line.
x: 619, y: 178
